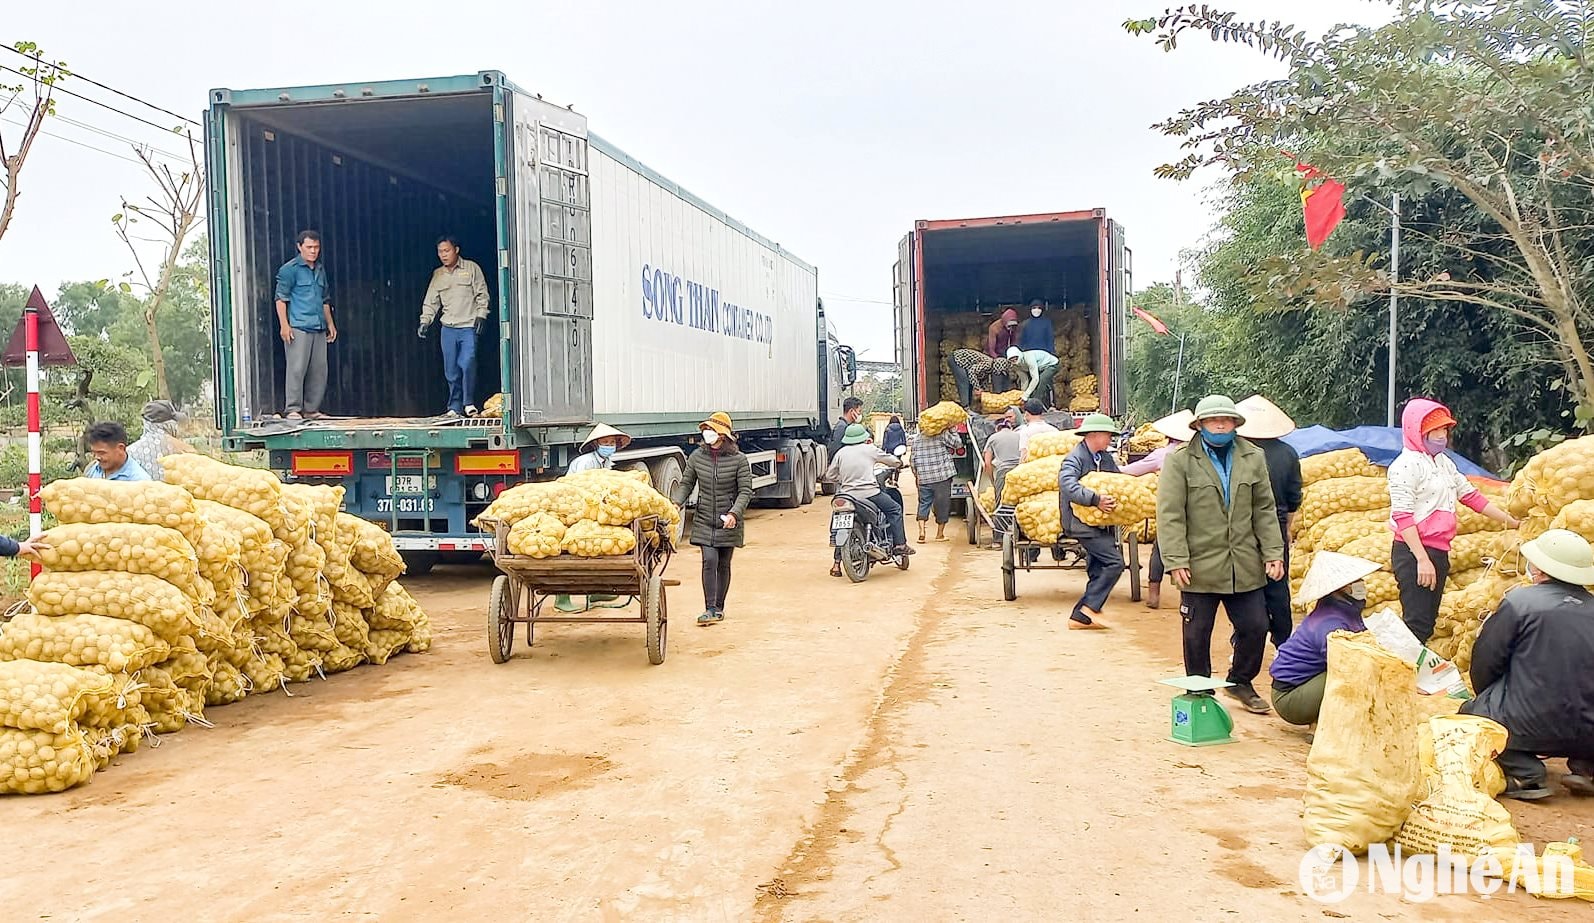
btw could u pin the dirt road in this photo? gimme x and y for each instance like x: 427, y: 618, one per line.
x: 909, y: 747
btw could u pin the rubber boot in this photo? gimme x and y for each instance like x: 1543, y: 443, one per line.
x: 564, y: 603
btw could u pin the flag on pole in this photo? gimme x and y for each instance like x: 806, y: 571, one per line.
x: 1322, y: 205
x: 1151, y: 319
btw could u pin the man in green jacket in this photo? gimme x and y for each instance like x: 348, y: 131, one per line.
x: 1217, y: 527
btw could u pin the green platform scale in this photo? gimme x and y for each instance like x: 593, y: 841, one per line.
x: 1199, y: 720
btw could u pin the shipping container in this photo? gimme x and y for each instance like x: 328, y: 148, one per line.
x: 953, y: 278
x: 617, y: 297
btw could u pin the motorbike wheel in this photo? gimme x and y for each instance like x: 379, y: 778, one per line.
x: 903, y: 560
x: 855, y: 562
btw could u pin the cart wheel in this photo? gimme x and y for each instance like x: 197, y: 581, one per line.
x: 1134, y: 567
x: 500, y: 628
x: 656, y: 609
x: 971, y: 516
x: 1009, y: 576
x: 855, y: 560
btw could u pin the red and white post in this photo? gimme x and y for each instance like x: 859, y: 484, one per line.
x: 30, y: 320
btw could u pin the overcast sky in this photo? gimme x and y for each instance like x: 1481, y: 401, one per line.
x: 827, y: 126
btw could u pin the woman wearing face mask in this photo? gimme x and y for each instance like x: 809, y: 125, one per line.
x: 723, y: 478
x: 598, y: 451
x: 1037, y: 332
x: 1337, y: 583
x: 1424, y: 489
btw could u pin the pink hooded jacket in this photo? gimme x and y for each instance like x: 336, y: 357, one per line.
x: 1002, y: 335
x: 1424, y: 489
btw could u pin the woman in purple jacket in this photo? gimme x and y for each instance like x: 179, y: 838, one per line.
x: 1337, y: 583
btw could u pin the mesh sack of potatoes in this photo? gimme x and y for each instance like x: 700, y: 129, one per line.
x: 563, y: 500
x: 1341, y: 529
x: 171, y: 706
x: 350, y: 626
x: 537, y: 536
x: 421, y: 635
x: 1084, y: 384
x: 946, y: 415
x: 1553, y: 478
x: 220, y: 553
x: 1376, y: 548
x: 324, y: 501
x: 188, y: 667
x: 312, y: 634
x: 1577, y: 516
x: 1345, y: 463
x: 37, y: 762
x: 1341, y: 495
x: 38, y: 696
x: 94, y: 641
x: 987, y: 497
x: 1469, y: 521
x: 253, y: 490
x: 1136, y: 496
x: 1046, y: 445
x: 123, y: 705
x: 105, y: 744
x: 306, y: 560
x: 265, y: 674
x: 621, y: 501
x: 1480, y: 548
x: 130, y: 549
x: 96, y: 501
x: 301, y: 666
x: 342, y: 658
x: 384, y: 644
x: 1084, y: 403
x: 397, y: 610
x: 149, y: 601
x: 990, y: 402
x: 1461, y: 616
x: 227, y: 684
x: 589, y: 539
x: 261, y: 556
x: 371, y: 551
x: 1460, y: 580
x: 1040, y: 517
x: 1031, y: 478
x: 1146, y: 439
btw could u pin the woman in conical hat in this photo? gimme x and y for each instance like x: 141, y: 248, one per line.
x: 1337, y: 583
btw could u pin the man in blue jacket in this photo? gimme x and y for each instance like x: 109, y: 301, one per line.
x: 1104, y: 560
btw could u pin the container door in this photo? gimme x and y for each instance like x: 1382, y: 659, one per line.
x: 550, y: 252
x: 907, y: 339
x: 1119, y: 293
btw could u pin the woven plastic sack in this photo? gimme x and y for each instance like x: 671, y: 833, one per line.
x: 91, y: 641
x: 1345, y: 463
x: 149, y: 601
x: 253, y: 490
x: 1045, y: 445
x: 1041, y: 518
x: 947, y: 414
x: 588, y: 539
x: 1031, y: 478
x: 1364, y: 772
x: 1459, y: 810
x: 561, y: 499
x: 37, y: 762
x: 97, y: 501
x: 129, y: 549
x: 1136, y: 496
x: 537, y: 536
x: 36, y: 696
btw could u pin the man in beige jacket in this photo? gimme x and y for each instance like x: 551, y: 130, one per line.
x: 458, y: 292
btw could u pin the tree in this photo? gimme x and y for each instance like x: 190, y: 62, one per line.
x: 1486, y: 100
x: 38, y: 81
x: 174, y: 211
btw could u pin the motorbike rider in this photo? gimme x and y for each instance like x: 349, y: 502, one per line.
x: 852, y: 470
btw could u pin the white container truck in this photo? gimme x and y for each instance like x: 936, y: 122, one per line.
x: 617, y: 297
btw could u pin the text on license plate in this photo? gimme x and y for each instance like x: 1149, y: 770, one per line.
x: 406, y: 505
x: 840, y: 521
x: 409, y: 484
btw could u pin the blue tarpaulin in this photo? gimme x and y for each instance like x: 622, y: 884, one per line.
x: 1381, y: 444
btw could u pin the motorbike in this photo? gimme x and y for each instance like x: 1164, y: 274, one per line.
x: 862, y: 532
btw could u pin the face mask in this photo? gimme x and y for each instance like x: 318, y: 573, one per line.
x: 710, y: 437
x: 1358, y: 591
x: 1034, y: 312
x: 1217, y: 440
x: 606, y: 451
x: 1436, y: 446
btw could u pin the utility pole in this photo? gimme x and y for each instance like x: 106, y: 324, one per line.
x: 1394, y: 297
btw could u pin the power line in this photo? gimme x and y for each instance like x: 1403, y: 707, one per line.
x: 83, y: 144
x: 116, y: 137
x: 77, y: 76
x: 847, y: 298
x: 60, y: 89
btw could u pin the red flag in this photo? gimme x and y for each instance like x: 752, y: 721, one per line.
x: 1156, y: 325
x: 1322, y: 205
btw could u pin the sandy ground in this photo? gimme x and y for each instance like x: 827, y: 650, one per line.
x: 911, y: 747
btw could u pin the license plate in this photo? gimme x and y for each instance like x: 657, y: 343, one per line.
x: 409, y: 484
x: 840, y: 522
x: 406, y: 505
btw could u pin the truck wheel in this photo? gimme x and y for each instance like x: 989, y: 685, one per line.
x: 666, y: 474
x: 810, y: 478
x: 418, y: 563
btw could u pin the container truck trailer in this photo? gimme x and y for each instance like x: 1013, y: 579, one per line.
x: 616, y: 296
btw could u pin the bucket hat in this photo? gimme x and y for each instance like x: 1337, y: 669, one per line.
x: 1332, y: 571
x: 719, y: 422
x: 856, y: 434
x: 1264, y: 419
x: 1098, y: 423
x: 1562, y: 554
x: 1215, y: 405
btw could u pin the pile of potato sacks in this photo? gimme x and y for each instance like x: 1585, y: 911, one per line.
x: 1031, y: 489
x: 1073, y: 348
x: 590, y: 514
x: 157, y: 600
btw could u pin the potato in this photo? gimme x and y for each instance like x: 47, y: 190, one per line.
x: 35, y: 762
x: 94, y: 641
x: 149, y: 601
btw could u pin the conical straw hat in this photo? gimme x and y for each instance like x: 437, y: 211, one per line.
x: 1175, y: 426
x: 1332, y: 571
x: 602, y: 430
x: 1264, y: 419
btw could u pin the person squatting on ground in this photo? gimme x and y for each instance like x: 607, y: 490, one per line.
x: 723, y: 478
x: 933, y: 470
x: 1424, y: 488
x: 1533, y: 668
x: 1218, y: 530
x: 1337, y: 584
x: 1104, y: 560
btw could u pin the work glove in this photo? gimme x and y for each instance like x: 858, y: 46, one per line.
x: 422, y: 332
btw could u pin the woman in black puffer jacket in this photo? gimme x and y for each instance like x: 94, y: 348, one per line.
x: 723, y: 478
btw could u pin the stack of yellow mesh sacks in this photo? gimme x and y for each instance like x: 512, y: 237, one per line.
x: 1345, y: 508
x: 59, y: 724
x: 958, y: 331
x: 590, y: 514
x: 1031, y: 489
x: 1072, y: 327
x: 1085, y: 398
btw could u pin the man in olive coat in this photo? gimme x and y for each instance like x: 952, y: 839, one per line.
x: 1217, y: 527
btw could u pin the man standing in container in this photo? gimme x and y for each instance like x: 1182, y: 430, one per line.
x: 458, y: 292
x: 304, y: 315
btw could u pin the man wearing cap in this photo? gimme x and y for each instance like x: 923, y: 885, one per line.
x: 598, y: 449
x: 1265, y: 427
x: 1104, y: 561
x: 1337, y: 583
x: 1533, y: 668
x: 1176, y: 429
x: 1036, y: 368
x: 852, y: 471
x: 1037, y: 332
x: 1218, y: 530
